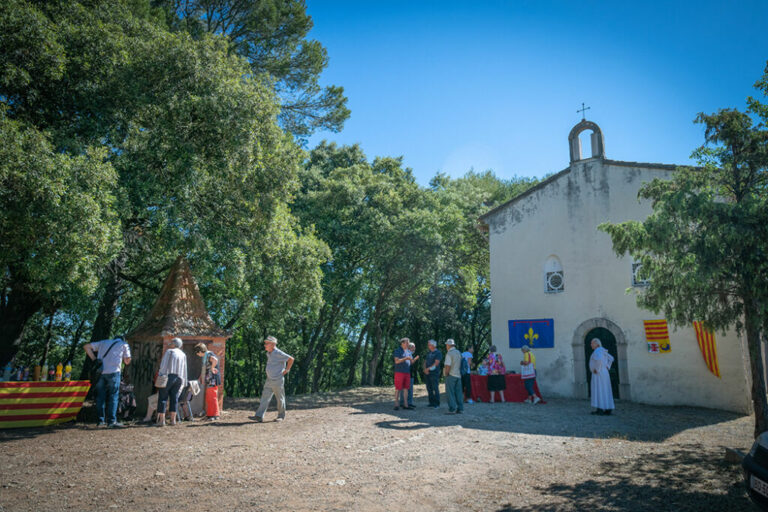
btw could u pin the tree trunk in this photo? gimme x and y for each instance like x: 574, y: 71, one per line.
x: 383, y: 357
x: 318, y: 373
x: 320, y: 350
x: 316, y: 350
x: 364, y: 362
x: 378, y: 347
x: 759, y: 399
x: 355, y: 357
x: 102, y: 327
x: 48, y: 335
x: 75, y: 341
x: 15, y: 311
x: 302, y: 375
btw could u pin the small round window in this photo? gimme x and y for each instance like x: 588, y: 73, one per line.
x: 554, y: 277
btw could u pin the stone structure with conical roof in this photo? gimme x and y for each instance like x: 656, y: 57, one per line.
x: 179, y: 311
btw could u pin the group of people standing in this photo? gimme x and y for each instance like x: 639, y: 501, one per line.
x: 172, y: 377
x: 171, y: 382
x: 456, y: 369
x: 406, y: 370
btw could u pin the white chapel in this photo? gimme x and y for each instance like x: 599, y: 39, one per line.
x: 549, y: 264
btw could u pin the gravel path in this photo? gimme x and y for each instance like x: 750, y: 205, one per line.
x: 351, y: 451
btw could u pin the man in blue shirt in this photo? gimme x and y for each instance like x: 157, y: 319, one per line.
x: 278, y: 365
x: 432, y: 371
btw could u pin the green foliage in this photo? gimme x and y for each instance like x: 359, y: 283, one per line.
x: 704, y: 247
x: 57, y: 223
x: 457, y: 305
x: 404, y: 261
x: 272, y: 36
x: 197, y: 162
x: 134, y: 131
x: 29, y: 48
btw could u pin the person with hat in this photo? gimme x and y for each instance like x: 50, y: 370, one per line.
x: 403, y: 360
x: 432, y: 372
x: 528, y: 374
x: 278, y: 365
x: 452, y: 371
x: 414, y: 371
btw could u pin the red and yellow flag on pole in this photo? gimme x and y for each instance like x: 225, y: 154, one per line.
x: 708, y: 347
x: 657, y: 336
x: 34, y: 404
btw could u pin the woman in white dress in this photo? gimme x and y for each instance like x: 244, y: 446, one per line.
x: 599, y: 364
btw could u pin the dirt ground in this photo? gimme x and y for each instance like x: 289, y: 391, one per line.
x: 352, y: 451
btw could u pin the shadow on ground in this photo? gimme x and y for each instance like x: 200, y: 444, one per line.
x: 341, y: 398
x: 685, y: 479
x: 559, y: 417
x: 13, y: 434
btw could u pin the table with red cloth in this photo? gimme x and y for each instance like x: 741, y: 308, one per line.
x: 515, y: 391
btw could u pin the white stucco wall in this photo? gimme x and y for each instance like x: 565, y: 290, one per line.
x: 560, y: 218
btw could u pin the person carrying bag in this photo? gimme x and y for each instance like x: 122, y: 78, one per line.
x: 112, y: 354
x: 97, y: 366
x: 528, y: 374
x: 173, y: 367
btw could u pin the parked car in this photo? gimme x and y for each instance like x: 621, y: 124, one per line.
x: 755, y: 466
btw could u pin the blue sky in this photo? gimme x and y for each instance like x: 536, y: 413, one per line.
x: 496, y: 84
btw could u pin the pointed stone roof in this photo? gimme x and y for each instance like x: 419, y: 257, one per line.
x: 179, y: 309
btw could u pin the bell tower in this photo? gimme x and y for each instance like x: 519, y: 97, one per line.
x: 574, y: 143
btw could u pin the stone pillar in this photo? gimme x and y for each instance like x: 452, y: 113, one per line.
x: 595, y: 138
x: 576, y: 149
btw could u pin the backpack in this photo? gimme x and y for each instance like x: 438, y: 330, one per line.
x: 464, y: 367
x: 98, y: 364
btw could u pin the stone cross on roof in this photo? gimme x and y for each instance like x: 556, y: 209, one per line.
x: 583, y: 109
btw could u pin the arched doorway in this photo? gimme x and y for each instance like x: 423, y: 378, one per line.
x: 608, y: 341
x: 582, y: 335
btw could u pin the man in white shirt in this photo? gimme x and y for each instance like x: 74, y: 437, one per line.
x: 278, y: 365
x: 112, y: 353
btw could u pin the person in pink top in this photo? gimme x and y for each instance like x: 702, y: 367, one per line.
x: 496, y: 371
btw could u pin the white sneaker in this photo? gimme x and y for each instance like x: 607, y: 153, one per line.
x: 527, y: 401
x: 536, y: 400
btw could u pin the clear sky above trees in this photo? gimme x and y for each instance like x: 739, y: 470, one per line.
x: 452, y: 85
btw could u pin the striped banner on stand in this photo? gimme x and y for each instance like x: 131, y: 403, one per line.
x: 708, y: 347
x: 35, y: 404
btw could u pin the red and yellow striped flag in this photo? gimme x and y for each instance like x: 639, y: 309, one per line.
x: 34, y: 404
x: 708, y: 347
x: 656, y: 332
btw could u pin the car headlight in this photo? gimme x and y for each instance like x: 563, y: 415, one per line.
x: 762, y: 441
